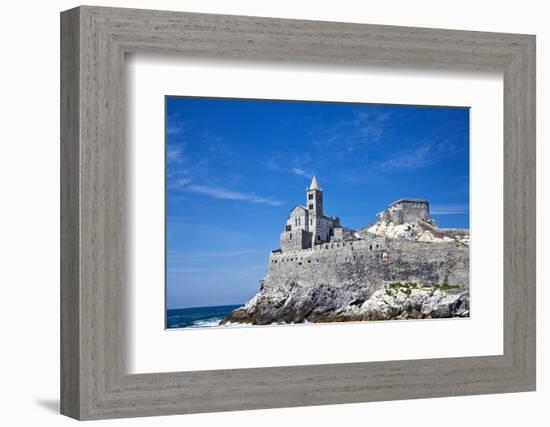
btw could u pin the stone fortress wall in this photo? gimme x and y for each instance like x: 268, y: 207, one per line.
x: 372, y: 261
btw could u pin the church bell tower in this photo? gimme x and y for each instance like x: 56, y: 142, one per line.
x: 314, y: 199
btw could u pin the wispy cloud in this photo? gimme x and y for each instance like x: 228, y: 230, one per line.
x: 175, y: 154
x: 448, y: 209
x: 209, y: 255
x: 333, y: 143
x: 295, y: 166
x: 194, y: 175
x: 175, y: 218
x: 223, y: 193
x: 179, y: 183
x: 176, y: 125
x: 176, y: 129
x: 359, y: 130
x: 441, y: 144
x: 408, y: 160
x: 300, y: 172
x: 248, y: 271
x: 185, y: 184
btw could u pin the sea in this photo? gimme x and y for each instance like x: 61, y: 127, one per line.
x: 198, y: 317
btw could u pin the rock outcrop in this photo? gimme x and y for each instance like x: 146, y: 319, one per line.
x: 291, y: 303
x: 418, y: 230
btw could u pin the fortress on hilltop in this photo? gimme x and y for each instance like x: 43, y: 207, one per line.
x: 308, y: 226
x: 400, y: 266
x: 402, y: 244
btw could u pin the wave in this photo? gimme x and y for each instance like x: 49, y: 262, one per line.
x: 197, y: 317
x: 207, y: 323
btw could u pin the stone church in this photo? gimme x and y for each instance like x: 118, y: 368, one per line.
x: 307, y: 225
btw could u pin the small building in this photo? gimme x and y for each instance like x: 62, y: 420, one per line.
x: 406, y: 210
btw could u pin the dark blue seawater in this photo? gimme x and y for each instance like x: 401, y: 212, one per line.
x: 198, y: 317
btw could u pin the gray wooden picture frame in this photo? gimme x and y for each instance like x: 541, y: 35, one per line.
x: 94, y: 381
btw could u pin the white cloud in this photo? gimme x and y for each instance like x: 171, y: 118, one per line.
x: 360, y: 129
x: 224, y: 193
x: 208, y: 255
x: 176, y: 127
x: 408, y: 160
x: 179, y: 183
x: 427, y: 152
x: 174, y: 154
x: 300, y: 172
x: 449, y: 209
x: 294, y: 167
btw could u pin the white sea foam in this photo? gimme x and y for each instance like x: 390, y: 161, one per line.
x: 206, y: 323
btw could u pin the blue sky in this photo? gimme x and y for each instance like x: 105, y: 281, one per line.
x: 235, y: 168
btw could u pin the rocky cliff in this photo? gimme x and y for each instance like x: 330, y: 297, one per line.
x: 291, y: 302
x: 388, y: 270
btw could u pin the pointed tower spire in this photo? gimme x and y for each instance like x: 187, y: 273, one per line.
x: 314, y: 199
x: 314, y: 185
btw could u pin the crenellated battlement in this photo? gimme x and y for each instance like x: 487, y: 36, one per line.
x: 325, y: 246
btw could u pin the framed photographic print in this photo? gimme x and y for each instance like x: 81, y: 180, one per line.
x: 396, y: 264
x: 261, y: 213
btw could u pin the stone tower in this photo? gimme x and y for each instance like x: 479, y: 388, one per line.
x: 314, y: 199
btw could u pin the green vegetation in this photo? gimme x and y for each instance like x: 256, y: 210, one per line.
x: 407, y: 287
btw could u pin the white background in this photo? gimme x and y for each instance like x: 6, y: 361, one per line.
x: 152, y: 349
x: 29, y: 215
